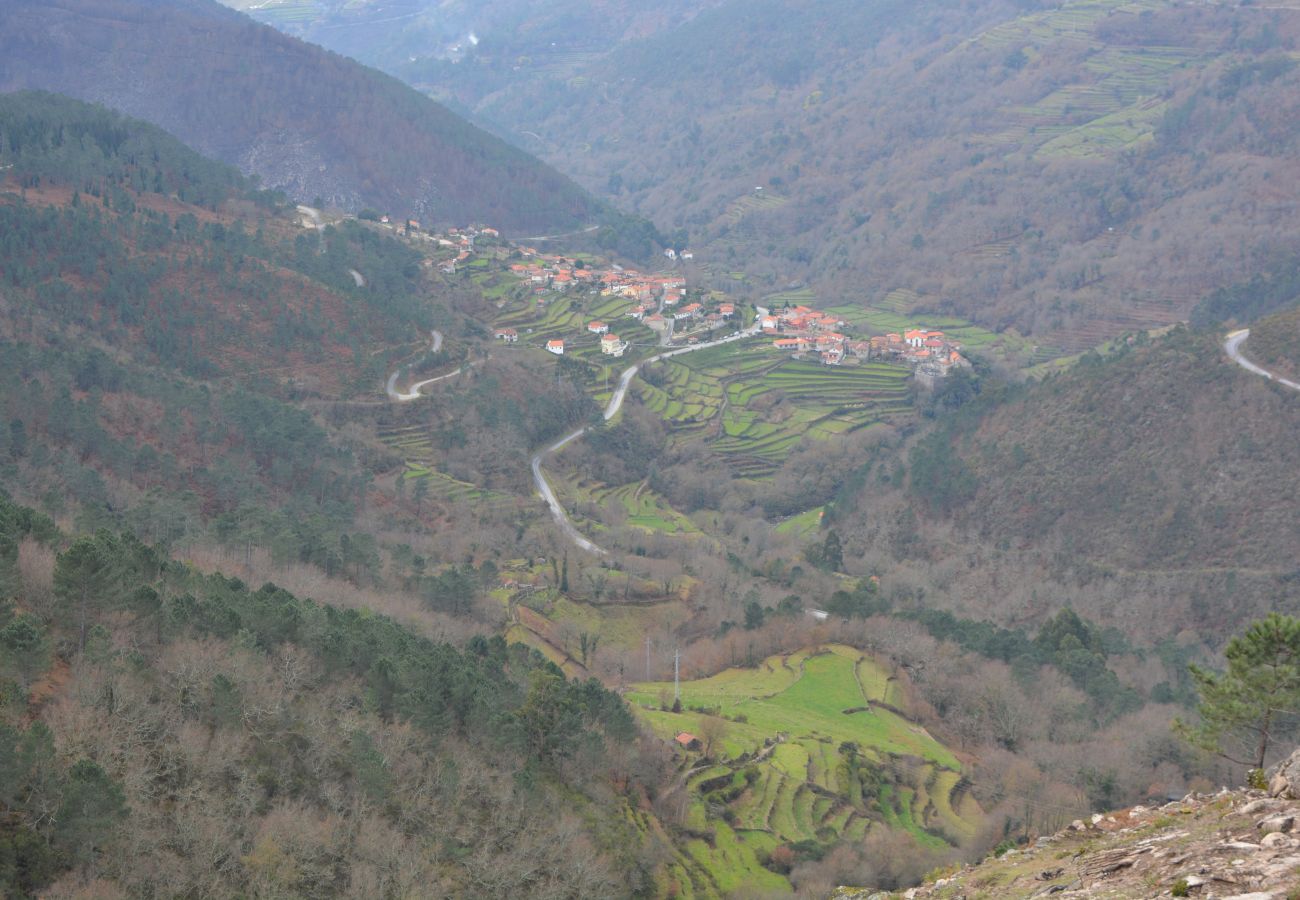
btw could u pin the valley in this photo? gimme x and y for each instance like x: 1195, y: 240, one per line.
x: 867, y: 465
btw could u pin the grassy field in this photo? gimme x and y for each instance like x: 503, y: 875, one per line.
x: 804, y: 525
x: 781, y: 772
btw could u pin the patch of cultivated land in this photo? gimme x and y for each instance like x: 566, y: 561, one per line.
x: 816, y: 746
x: 754, y: 404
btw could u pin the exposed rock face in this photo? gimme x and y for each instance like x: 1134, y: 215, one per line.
x: 1233, y: 845
x: 1284, y: 778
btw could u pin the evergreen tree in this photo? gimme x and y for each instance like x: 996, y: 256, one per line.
x: 93, y: 805
x: 1255, y: 704
x: 85, y: 579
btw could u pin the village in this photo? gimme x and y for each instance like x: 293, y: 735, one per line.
x: 802, y: 330
x: 661, y: 302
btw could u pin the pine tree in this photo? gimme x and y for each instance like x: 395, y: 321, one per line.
x: 86, y: 580
x: 1256, y: 703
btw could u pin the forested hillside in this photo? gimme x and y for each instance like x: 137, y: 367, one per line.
x: 163, y: 732
x: 1072, y: 171
x: 157, y: 312
x: 1275, y: 341
x: 864, y: 627
x: 308, y: 122
x: 1161, y: 477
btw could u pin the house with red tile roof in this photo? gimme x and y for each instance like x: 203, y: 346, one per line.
x: 556, y: 347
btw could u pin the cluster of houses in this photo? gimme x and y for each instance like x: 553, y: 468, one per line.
x: 801, y: 329
x: 687, y: 315
x: 555, y: 274
x: 931, y: 352
x: 460, y: 240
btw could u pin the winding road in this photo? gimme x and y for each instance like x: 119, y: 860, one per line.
x: 1232, y: 346
x: 611, y: 409
x: 555, y: 237
x: 414, y: 392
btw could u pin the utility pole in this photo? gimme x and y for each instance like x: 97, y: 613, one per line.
x: 647, y: 658
x: 677, y: 676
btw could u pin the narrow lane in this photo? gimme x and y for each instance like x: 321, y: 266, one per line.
x: 1232, y: 346
x: 611, y: 409
x: 414, y: 392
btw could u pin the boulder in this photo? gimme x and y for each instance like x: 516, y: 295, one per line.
x: 1280, y: 823
x: 1277, y: 841
x: 1284, y: 778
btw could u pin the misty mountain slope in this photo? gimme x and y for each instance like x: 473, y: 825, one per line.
x: 1073, y: 171
x: 305, y: 120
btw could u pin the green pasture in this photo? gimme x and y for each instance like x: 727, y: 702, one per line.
x: 804, y: 525
x: 780, y: 769
x: 806, y: 694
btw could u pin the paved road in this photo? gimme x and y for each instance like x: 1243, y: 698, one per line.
x: 414, y: 392
x: 555, y: 237
x: 1232, y: 346
x: 611, y: 409
x: 313, y: 214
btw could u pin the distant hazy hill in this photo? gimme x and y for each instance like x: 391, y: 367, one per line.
x: 305, y: 120
x: 1073, y: 170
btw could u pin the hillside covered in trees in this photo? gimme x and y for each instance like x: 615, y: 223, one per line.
x: 306, y: 121
x: 1072, y: 171
x: 1160, y: 477
x: 163, y: 731
x: 192, y: 395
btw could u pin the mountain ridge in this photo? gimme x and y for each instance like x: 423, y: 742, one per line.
x: 305, y: 120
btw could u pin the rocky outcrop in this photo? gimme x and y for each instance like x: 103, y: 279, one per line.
x: 1233, y: 845
x: 1284, y: 778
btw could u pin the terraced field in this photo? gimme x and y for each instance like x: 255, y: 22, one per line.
x: 758, y: 201
x: 817, y: 748
x: 1009, y: 345
x: 1115, y: 108
x: 565, y: 316
x: 643, y: 507
x: 413, y: 443
x: 724, y: 396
